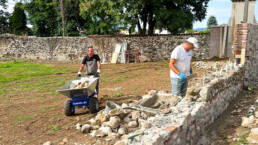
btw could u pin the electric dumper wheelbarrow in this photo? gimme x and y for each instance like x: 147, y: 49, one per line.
x: 80, y: 95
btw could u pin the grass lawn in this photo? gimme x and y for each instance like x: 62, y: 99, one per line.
x: 21, y: 70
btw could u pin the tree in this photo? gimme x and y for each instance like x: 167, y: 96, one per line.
x: 144, y: 16
x: 101, y: 16
x: 18, y: 21
x: 4, y: 16
x: 45, y: 18
x: 72, y: 19
x: 212, y: 22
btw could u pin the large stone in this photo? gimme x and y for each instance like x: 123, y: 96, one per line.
x: 253, y: 136
x: 85, y: 128
x: 149, y: 100
x: 133, y: 124
x: 114, y: 122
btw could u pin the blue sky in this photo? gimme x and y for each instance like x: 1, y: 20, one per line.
x: 221, y: 9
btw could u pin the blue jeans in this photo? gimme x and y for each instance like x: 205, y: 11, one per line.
x: 179, y: 87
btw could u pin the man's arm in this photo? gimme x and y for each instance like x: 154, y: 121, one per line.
x: 172, y: 65
x: 82, y: 67
x: 99, y: 64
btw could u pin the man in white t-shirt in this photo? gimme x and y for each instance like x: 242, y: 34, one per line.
x: 180, y: 66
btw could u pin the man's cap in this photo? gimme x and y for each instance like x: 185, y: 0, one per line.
x: 193, y: 41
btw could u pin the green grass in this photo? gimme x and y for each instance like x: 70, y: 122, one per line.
x: 23, y: 118
x: 50, y: 107
x: 55, y: 127
x: 118, y: 94
x: 21, y: 70
x: 242, y: 140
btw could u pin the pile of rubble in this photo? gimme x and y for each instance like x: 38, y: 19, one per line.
x: 115, y: 120
x: 81, y: 84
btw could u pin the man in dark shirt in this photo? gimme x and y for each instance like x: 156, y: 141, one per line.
x: 93, y: 65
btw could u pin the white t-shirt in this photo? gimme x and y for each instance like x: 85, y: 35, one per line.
x: 183, y: 61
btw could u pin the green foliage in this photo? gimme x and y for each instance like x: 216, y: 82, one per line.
x: 212, y: 22
x: 55, y: 127
x: 43, y: 16
x: 4, y: 16
x: 189, y: 31
x: 14, y: 71
x: 205, y: 31
x: 118, y: 94
x: 18, y: 21
x: 23, y: 118
x: 106, y: 16
x: 101, y: 17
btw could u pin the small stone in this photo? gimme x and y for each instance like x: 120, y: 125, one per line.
x: 95, y: 127
x: 145, y: 124
x: 65, y: 140
x: 85, y: 128
x: 253, y: 136
x: 93, y: 122
x: 124, y: 105
x: 78, y: 126
x: 114, y: 122
x: 93, y: 133
x: 256, y: 114
x: 116, y: 112
x: 106, y: 130
x: 122, y: 131
x: 47, y: 143
x: 165, y: 111
x: 247, y: 122
x: 127, y: 119
x: 132, y: 124
x: 120, y: 143
x: 144, y: 115
x: 136, y: 115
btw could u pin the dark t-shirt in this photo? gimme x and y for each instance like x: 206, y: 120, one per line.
x: 91, y: 64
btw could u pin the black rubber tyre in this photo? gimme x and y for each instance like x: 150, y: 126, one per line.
x: 68, y: 109
x: 94, y: 105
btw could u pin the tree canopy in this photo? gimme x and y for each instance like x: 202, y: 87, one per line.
x: 212, y: 22
x: 52, y: 17
x: 18, y: 21
x: 4, y: 16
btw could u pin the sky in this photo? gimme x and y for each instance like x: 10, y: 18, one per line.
x: 221, y: 9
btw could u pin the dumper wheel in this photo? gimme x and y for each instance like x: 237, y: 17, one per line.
x: 68, y: 108
x: 94, y: 105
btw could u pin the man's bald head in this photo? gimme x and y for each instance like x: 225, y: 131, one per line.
x: 90, y: 51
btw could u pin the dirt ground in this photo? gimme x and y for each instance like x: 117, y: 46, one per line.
x: 31, y: 112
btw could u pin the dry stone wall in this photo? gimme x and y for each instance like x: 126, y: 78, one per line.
x: 151, y: 48
x: 251, y: 57
x: 188, y: 119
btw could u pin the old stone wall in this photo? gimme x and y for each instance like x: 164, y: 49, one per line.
x: 251, y: 57
x: 188, y: 119
x: 151, y: 48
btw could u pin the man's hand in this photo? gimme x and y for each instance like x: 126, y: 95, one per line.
x: 182, y: 76
x: 79, y: 74
x: 98, y: 71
